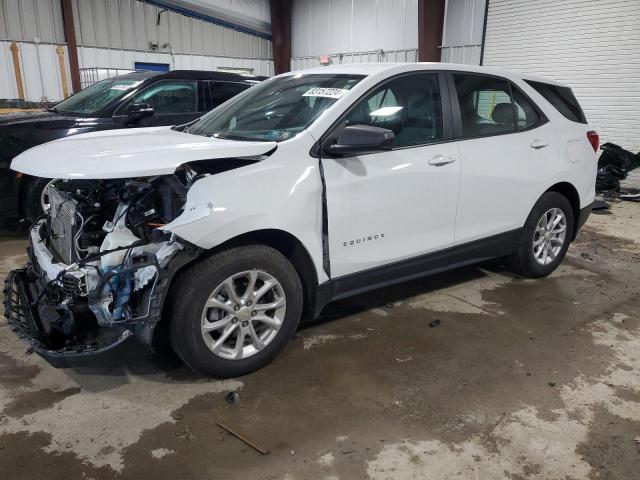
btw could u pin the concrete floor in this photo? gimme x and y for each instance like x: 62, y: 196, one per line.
x: 522, y: 379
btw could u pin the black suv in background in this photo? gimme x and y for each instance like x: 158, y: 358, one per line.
x: 138, y: 99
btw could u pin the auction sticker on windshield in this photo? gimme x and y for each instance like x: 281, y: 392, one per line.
x: 325, y: 92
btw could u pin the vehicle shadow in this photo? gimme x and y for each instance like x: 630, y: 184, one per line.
x: 131, y: 360
x: 397, y: 293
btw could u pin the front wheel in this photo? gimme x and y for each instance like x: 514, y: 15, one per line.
x: 545, y: 237
x: 32, y: 197
x: 235, y: 311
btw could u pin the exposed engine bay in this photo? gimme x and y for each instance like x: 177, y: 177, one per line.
x: 97, y: 260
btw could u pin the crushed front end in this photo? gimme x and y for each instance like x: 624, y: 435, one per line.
x: 98, y: 267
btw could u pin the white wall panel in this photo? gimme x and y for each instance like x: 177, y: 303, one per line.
x: 592, y: 45
x: 464, y: 21
x: 41, y: 76
x: 373, y: 56
x: 132, y: 24
x: 93, y: 57
x: 27, y: 20
x: 341, y: 26
x: 8, y: 88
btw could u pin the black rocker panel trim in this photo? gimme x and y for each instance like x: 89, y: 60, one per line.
x: 488, y: 248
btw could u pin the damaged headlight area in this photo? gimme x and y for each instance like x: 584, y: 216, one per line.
x: 99, y: 267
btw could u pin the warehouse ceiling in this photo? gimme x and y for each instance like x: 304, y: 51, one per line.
x: 249, y: 14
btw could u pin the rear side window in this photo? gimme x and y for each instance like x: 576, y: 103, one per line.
x: 562, y: 98
x: 527, y: 114
x: 216, y: 93
x: 485, y: 105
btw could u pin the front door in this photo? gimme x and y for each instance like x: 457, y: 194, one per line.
x: 174, y: 102
x: 394, y: 205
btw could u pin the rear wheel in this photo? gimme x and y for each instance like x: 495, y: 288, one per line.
x: 545, y: 237
x: 235, y: 311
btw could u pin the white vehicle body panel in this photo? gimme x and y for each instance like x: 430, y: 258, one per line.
x: 489, y: 189
x: 502, y: 177
x: 127, y: 153
x: 371, y: 223
x: 280, y: 193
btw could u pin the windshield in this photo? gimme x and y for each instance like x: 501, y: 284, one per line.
x: 275, y: 110
x: 97, y: 96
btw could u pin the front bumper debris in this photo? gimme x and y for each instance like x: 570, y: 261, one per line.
x: 32, y: 321
x: 53, y: 308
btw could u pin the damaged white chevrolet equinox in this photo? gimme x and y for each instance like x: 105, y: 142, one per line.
x: 222, y: 235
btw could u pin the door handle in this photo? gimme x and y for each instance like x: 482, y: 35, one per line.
x: 439, y: 160
x: 537, y: 143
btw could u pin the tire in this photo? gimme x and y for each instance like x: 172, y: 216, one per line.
x: 525, y: 261
x: 32, y: 191
x: 196, y: 289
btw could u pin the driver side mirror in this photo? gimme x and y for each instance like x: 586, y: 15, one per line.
x: 138, y: 111
x: 361, y: 139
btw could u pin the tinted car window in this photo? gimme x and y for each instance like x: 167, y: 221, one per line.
x: 216, y: 93
x: 527, y: 114
x: 97, y: 96
x: 485, y: 105
x: 409, y: 106
x: 169, y: 96
x: 276, y: 109
x: 562, y: 98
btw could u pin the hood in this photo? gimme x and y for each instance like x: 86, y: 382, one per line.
x: 30, y: 117
x: 142, y: 152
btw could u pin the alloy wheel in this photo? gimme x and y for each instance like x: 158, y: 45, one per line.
x: 549, y: 236
x: 243, y: 314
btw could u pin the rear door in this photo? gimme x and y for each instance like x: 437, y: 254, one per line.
x: 400, y: 204
x: 507, y: 154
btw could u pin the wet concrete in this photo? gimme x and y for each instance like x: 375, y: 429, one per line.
x: 520, y: 379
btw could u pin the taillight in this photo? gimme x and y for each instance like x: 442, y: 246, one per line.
x: 594, y: 140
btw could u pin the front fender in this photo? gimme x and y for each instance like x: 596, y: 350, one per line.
x: 280, y: 193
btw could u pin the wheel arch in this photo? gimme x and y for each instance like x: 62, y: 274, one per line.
x: 570, y: 192
x: 284, y: 242
x: 293, y: 249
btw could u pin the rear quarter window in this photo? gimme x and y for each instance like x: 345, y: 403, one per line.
x: 562, y: 98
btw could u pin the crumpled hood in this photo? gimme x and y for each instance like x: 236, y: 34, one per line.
x: 141, y: 152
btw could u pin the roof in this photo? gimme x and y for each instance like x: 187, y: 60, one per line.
x: 369, y: 69
x: 192, y: 75
x: 210, y: 75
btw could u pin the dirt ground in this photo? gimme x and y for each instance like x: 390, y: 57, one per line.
x: 521, y: 379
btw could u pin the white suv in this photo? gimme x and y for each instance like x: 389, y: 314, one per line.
x: 312, y: 186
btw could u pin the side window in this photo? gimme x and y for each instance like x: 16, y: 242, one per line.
x: 169, y: 96
x: 409, y: 106
x: 562, y: 98
x: 527, y: 115
x: 485, y: 105
x: 219, y: 92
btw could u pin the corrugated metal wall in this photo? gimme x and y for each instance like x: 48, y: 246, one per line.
x: 462, y: 32
x: 592, y: 45
x: 115, y: 34
x: 41, y: 76
x: 31, y: 20
x: 90, y: 57
x: 373, y: 56
x: 347, y: 26
x: 132, y: 24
